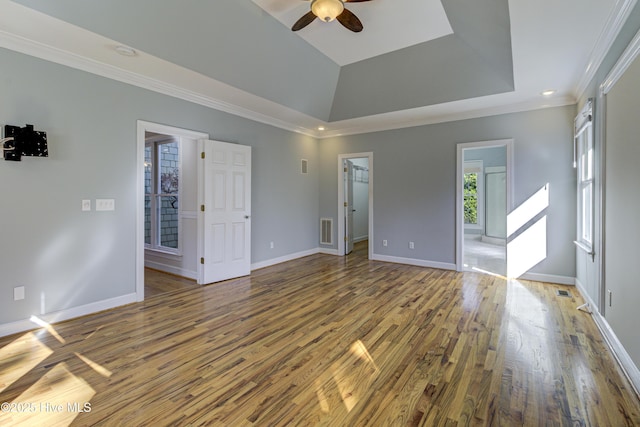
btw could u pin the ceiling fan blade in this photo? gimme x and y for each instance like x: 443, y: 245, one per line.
x: 306, y: 19
x: 350, y: 21
x: 355, y: 1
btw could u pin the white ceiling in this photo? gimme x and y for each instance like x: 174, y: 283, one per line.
x: 555, y: 45
x: 425, y: 21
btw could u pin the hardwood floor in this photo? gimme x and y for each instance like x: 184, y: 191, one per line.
x: 330, y: 341
x: 159, y: 283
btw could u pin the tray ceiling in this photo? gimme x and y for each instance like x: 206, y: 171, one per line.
x: 423, y: 62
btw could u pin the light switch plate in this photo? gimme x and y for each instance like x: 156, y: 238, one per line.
x: 105, y: 205
x: 18, y: 293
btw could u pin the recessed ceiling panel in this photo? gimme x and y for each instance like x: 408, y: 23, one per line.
x: 474, y: 61
x: 388, y: 26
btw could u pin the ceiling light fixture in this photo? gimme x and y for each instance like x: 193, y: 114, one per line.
x: 327, y: 10
x: 548, y: 92
x: 321, y: 128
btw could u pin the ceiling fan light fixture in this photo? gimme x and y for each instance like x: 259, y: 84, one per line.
x: 327, y: 10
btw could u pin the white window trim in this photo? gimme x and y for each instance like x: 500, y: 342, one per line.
x: 584, y: 142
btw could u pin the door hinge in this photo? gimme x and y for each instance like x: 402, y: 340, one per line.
x: 345, y: 204
x: 202, y: 260
x: 201, y: 208
x: 202, y: 155
x: 345, y: 238
x: 346, y: 169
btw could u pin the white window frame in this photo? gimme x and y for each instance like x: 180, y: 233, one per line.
x: 155, y: 244
x: 584, y: 163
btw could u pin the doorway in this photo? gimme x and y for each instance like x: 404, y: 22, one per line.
x: 166, y: 208
x: 355, y: 202
x: 482, y: 202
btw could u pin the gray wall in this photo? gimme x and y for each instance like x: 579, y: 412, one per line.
x: 68, y: 258
x: 414, y: 178
x: 622, y: 206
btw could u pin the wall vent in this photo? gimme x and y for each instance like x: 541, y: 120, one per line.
x: 326, y: 231
x: 304, y: 163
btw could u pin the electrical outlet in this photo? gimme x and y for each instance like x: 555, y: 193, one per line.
x: 18, y: 293
x: 271, y: 245
x: 86, y: 205
x: 384, y: 243
x: 411, y: 245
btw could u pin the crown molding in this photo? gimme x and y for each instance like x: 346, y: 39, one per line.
x: 59, y: 56
x: 439, y: 114
x: 614, y: 24
x: 624, y: 62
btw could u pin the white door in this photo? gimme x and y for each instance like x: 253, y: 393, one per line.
x: 348, y: 207
x: 224, y: 193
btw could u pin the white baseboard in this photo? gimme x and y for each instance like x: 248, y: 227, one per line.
x: 66, y: 314
x: 284, y: 258
x: 413, y: 261
x: 328, y: 251
x: 619, y: 352
x: 549, y: 278
x: 624, y: 360
x: 171, y: 269
x: 493, y: 240
x: 360, y: 238
x: 585, y: 295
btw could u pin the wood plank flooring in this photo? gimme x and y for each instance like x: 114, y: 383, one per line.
x: 325, y: 341
x: 159, y: 283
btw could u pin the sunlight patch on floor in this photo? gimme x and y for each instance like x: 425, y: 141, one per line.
x: 48, y: 328
x: 354, y: 375
x: 19, y: 357
x: 95, y: 366
x: 55, y: 399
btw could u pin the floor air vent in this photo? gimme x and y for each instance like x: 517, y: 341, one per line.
x: 563, y: 293
x: 326, y: 231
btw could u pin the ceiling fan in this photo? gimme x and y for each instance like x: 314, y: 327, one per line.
x: 328, y: 10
